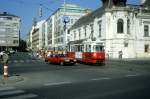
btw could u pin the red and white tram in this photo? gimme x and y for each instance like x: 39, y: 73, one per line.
x: 89, y: 52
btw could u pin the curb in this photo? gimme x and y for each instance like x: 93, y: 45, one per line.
x: 10, y: 80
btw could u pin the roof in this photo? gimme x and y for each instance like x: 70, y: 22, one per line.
x: 7, y: 14
x: 89, y: 17
x: 147, y: 3
x: 100, y: 11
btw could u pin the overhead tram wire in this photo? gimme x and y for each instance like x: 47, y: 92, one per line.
x: 35, y: 4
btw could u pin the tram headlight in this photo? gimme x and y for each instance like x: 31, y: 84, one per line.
x: 67, y: 60
x: 94, y: 54
x: 74, y: 60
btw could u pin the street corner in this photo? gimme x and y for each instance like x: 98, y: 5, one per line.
x: 12, y: 79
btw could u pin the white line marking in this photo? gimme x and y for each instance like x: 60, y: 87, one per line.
x: 26, y: 96
x: 27, y: 61
x: 103, y: 78
x: 11, y: 92
x: 59, y: 83
x: 132, y: 75
x: 6, y: 88
x: 21, y: 61
x: 15, y: 61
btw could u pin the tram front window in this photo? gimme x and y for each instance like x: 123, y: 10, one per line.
x: 98, y: 48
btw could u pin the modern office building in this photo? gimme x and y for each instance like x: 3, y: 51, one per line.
x: 37, y: 36
x: 9, y: 31
x: 59, y: 23
x: 121, y: 27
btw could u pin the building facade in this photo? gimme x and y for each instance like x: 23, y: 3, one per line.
x: 9, y: 31
x: 58, y: 36
x: 123, y: 28
x: 37, y: 36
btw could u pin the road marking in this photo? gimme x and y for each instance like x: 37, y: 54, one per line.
x: 11, y: 92
x: 21, y: 61
x: 59, y: 83
x: 33, y: 60
x: 27, y: 61
x: 26, y: 96
x: 132, y: 75
x: 6, y: 88
x: 15, y: 61
x: 103, y: 78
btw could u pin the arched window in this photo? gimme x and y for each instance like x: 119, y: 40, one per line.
x: 120, y: 26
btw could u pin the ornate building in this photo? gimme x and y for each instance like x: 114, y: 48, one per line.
x: 121, y: 27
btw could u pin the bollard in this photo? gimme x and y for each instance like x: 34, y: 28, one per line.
x: 5, y: 71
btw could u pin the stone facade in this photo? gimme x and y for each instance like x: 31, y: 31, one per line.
x: 121, y: 27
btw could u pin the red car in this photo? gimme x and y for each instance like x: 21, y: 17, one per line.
x: 61, y: 59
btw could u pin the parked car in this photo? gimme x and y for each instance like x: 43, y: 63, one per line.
x: 61, y: 59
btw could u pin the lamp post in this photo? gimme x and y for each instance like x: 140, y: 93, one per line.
x: 66, y: 20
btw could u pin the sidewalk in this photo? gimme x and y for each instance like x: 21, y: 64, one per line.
x: 128, y: 59
x: 10, y: 80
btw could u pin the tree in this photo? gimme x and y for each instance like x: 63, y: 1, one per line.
x: 22, y: 45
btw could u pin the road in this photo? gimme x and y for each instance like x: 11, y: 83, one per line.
x: 127, y: 79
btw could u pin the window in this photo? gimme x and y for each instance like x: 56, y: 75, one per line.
x: 15, y: 41
x: 146, y: 31
x: 98, y: 48
x: 128, y: 26
x: 92, y: 30
x: 120, y: 26
x: 146, y: 48
x: 100, y: 29
x: 79, y: 30
x: 85, y: 31
x: 71, y: 21
x: 74, y: 35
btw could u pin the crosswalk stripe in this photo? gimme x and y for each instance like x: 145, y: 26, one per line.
x: 6, y: 88
x: 26, y: 96
x: 11, y: 92
x: 23, y: 61
x: 15, y: 61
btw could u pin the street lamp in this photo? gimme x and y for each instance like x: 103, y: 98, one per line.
x: 66, y: 20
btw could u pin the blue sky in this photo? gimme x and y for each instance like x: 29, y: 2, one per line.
x: 27, y: 9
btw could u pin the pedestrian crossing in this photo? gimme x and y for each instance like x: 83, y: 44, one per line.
x: 13, y: 93
x: 24, y: 61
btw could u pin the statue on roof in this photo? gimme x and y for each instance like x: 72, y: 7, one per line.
x: 110, y: 3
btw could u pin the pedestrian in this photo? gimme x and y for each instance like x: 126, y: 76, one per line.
x: 5, y: 58
x: 120, y: 54
x: 1, y: 56
x: 108, y: 55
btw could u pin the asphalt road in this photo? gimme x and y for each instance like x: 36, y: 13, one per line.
x: 129, y: 79
x: 120, y: 88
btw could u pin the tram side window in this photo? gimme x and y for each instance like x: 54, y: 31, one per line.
x: 98, y: 48
x: 72, y: 48
x: 89, y: 48
x: 80, y: 48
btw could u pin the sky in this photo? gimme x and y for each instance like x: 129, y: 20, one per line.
x: 28, y: 9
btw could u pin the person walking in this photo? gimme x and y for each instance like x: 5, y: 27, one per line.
x: 5, y: 58
x: 120, y: 54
